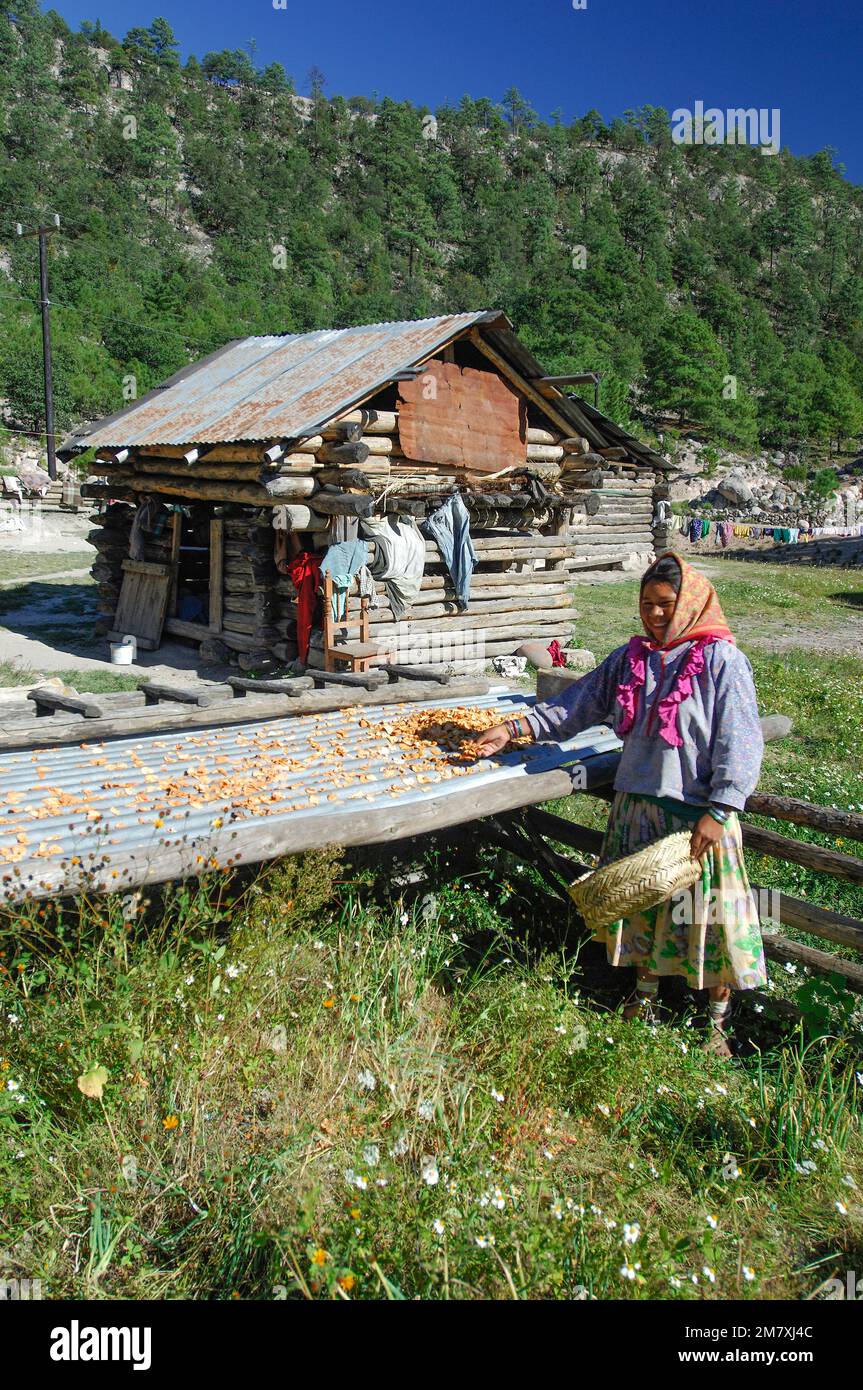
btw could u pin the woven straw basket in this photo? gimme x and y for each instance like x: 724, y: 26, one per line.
x: 636, y: 882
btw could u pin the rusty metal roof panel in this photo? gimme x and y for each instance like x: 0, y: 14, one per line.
x: 285, y: 386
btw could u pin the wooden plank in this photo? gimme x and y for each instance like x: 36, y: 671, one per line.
x: 143, y: 603
x: 782, y: 949
x: 217, y: 572
x: 134, y: 485
x: 46, y: 733
x: 294, y: 685
x: 414, y: 673
x: 178, y: 627
x: 197, y: 694
x: 47, y: 701
x: 368, y: 680
x: 176, y: 541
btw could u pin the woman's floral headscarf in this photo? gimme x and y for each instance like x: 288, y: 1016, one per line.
x: 697, y: 612
x: 697, y: 618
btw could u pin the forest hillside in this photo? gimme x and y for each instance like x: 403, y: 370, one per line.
x: 718, y: 289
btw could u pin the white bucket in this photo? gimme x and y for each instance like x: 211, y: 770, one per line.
x: 123, y: 653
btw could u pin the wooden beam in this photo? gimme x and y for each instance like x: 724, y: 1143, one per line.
x: 156, y: 718
x: 217, y: 573
x: 832, y: 822
x: 134, y: 486
x: 825, y: 861
x: 782, y: 949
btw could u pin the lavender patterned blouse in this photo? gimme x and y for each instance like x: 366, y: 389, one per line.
x: 719, y: 760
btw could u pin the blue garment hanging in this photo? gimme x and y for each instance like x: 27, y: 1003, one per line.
x: 449, y: 527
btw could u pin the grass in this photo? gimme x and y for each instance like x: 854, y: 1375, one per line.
x: 337, y: 1079
x: 93, y: 682
x: 754, y: 596
x: 17, y: 565
x: 302, y: 1087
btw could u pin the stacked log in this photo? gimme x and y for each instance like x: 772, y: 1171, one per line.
x: 621, y: 530
x: 364, y: 440
x: 251, y: 616
x: 663, y: 535
x: 111, y: 541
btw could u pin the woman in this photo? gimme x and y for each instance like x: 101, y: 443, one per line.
x: 683, y: 701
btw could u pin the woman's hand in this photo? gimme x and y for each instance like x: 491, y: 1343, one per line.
x: 492, y: 741
x: 707, y: 833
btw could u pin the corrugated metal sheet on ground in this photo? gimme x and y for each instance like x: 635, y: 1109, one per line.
x: 176, y: 798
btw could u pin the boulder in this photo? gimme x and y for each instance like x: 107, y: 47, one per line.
x: 736, y: 489
x: 579, y: 659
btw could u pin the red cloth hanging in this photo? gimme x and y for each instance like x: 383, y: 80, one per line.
x: 555, y: 651
x: 304, y: 572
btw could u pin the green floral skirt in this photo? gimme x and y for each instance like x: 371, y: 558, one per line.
x: 710, y: 934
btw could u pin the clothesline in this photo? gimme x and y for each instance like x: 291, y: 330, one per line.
x: 697, y: 528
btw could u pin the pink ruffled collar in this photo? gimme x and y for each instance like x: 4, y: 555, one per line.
x: 667, y: 709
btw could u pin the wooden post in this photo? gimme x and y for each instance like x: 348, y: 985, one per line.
x: 176, y: 538
x: 217, y: 566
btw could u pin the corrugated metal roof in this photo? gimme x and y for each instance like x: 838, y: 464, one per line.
x: 146, y: 808
x: 285, y: 386
x: 585, y: 418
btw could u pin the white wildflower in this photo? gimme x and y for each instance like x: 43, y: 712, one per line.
x: 429, y: 1170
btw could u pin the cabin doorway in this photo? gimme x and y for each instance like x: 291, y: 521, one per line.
x: 195, y: 604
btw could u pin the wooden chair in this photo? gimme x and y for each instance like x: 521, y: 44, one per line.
x: 338, y: 645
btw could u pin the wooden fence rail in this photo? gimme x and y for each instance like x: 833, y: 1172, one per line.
x: 531, y: 833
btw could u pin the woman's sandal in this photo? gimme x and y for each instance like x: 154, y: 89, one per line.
x: 716, y: 1042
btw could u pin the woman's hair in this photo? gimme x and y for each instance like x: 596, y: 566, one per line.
x: 663, y: 571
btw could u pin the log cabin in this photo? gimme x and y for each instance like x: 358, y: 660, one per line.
x: 220, y: 492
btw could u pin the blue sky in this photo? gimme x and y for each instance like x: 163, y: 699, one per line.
x: 800, y: 56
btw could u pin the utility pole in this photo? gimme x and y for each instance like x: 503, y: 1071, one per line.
x: 45, y: 304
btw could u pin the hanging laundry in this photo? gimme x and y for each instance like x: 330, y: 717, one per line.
x: 705, y: 527
x: 399, y: 559
x: 304, y: 573
x: 695, y: 529
x: 342, y: 562
x: 449, y: 528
